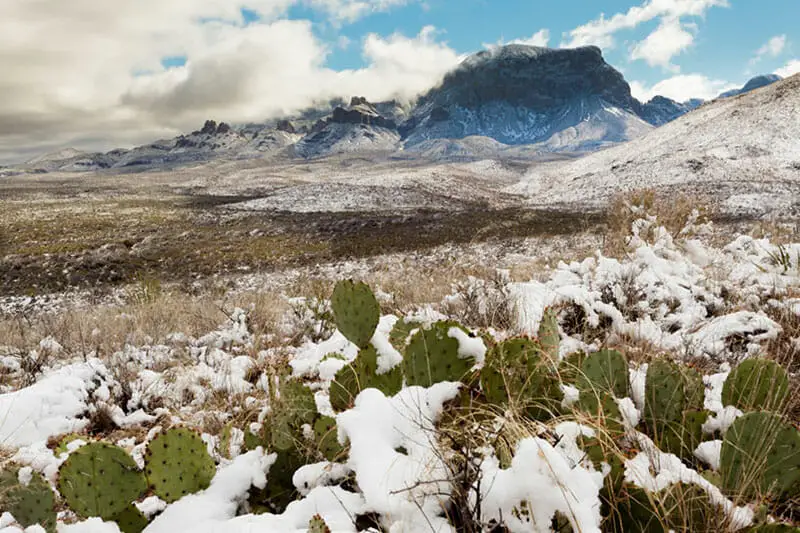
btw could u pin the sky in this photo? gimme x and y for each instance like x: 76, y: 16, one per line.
x: 96, y: 75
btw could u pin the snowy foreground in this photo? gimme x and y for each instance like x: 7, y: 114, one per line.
x: 675, y: 295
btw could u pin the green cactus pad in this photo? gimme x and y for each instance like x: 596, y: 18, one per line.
x: 570, y: 368
x: 515, y: 373
x: 326, y: 438
x: 63, y: 443
x: 605, y: 372
x: 760, y: 455
x: 756, y: 384
x: 100, y: 480
x: 177, y: 463
x: 687, y: 507
x: 131, y: 520
x: 682, y: 437
x: 362, y: 374
x: 318, y: 525
x: 298, y: 401
x: 549, y: 337
x: 432, y: 357
x: 401, y: 332
x: 603, y: 409
x: 30, y: 505
x: 665, y: 393
x: 280, y: 490
x: 356, y: 311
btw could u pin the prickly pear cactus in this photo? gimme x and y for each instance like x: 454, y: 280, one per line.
x: 280, y: 490
x: 756, y: 384
x: 603, y: 410
x: 63, y: 443
x: 362, y: 374
x: 761, y: 456
x: 30, y: 504
x: 604, y: 372
x: 325, y: 436
x: 317, y: 525
x: 177, y: 463
x: 225, y: 437
x: 515, y: 373
x: 665, y: 393
x: 549, y: 337
x: 131, y: 520
x: 100, y: 479
x: 432, y: 357
x: 681, y: 437
x: 401, y: 332
x: 570, y: 367
x: 687, y: 507
x: 356, y: 311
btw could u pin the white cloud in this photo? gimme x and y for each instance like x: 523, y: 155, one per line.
x: 89, y: 74
x: 540, y: 38
x: 682, y: 88
x: 600, y: 32
x: 772, y: 48
x: 668, y: 40
x: 350, y: 10
x: 789, y: 69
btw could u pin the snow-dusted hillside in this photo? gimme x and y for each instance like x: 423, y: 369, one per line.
x: 742, y: 151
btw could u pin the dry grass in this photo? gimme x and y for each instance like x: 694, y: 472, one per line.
x: 672, y: 212
x: 101, y: 331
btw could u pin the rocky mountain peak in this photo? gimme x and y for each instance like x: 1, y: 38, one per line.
x: 534, y: 77
x: 212, y: 128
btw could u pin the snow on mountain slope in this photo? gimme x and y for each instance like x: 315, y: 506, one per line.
x: 742, y: 151
x: 338, y: 138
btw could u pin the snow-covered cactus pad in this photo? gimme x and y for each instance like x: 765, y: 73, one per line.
x: 604, y: 372
x: 100, y: 479
x: 318, y: 525
x: 756, y: 384
x: 177, y: 463
x: 549, y: 337
x: 356, y: 311
x: 131, y: 520
x: 761, y: 456
x: 362, y: 374
x: 30, y: 504
x: 432, y: 357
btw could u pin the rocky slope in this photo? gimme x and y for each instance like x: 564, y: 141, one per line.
x: 741, y: 151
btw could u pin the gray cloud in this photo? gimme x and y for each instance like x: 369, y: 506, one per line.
x: 88, y: 74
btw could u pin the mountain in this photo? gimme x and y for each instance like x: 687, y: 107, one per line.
x: 660, y: 109
x: 551, y: 101
x: 741, y: 151
x: 360, y: 127
x: 753, y: 84
x: 565, y: 99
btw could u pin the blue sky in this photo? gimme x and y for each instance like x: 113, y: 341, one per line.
x: 725, y: 39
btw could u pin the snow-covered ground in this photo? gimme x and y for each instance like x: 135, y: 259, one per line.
x: 678, y: 295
